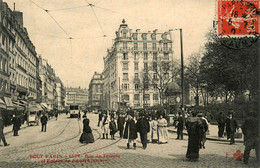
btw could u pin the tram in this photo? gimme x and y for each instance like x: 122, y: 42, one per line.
x: 74, y: 110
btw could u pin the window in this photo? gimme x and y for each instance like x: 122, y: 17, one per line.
x: 146, y: 97
x: 136, y: 97
x: 155, y: 96
x: 145, y: 56
x: 165, y: 46
x: 135, y: 56
x: 145, y: 46
x: 124, y: 45
x: 154, y: 56
x: 155, y: 66
x: 124, y: 34
x: 154, y: 46
x: 136, y: 65
x: 125, y: 87
x: 155, y: 87
x: 125, y: 56
x: 154, y: 76
x: 166, y: 75
x: 136, y: 86
x: 146, y: 78
x: 166, y: 56
x: 126, y: 97
x: 136, y: 76
x: 146, y: 86
x: 146, y: 66
x: 125, y: 76
x: 166, y: 66
x: 125, y: 66
x: 135, y: 46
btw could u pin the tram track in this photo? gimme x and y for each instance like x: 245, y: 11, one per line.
x: 51, y: 138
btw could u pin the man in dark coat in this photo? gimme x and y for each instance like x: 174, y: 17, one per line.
x: 250, y: 130
x: 112, y: 127
x: 143, y: 127
x: 231, y: 127
x: 221, y: 124
x: 44, y: 120
x: 130, y: 132
x: 180, y: 126
x: 195, y: 131
x: 100, y: 116
x: 16, y: 124
x: 120, y: 124
x: 2, y: 136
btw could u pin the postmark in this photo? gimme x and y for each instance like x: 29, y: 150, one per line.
x: 238, y: 23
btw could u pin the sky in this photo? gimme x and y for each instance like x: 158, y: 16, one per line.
x: 75, y: 60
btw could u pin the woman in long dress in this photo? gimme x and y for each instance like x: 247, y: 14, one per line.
x: 162, y: 130
x: 86, y: 136
x: 154, y: 130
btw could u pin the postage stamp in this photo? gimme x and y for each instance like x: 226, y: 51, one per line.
x: 238, y: 18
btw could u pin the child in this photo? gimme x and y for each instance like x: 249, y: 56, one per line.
x: 112, y: 127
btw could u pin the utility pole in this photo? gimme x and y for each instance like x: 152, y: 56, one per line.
x: 119, y: 94
x: 182, y: 71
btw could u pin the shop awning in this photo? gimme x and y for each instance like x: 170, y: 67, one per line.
x: 18, y: 105
x: 2, y: 104
x: 35, y: 107
x: 24, y: 103
x: 9, y: 103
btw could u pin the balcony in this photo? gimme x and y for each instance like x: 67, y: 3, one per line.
x: 125, y: 49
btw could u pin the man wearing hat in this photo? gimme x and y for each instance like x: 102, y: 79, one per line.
x: 2, y: 136
x: 180, y: 126
x: 143, y: 127
x: 130, y: 132
x: 231, y: 127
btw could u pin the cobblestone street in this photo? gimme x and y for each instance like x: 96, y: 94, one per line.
x: 60, y: 143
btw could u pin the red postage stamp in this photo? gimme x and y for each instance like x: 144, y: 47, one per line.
x: 238, y: 18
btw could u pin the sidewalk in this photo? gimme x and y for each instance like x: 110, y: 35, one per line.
x: 9, y: 129
x: 213, y: 134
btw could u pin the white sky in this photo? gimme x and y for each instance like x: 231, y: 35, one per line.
x: 75, y: 65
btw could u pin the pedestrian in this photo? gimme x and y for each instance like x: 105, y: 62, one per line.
x: 250, y: 130
x: 149, y: 134
x: 100, y: 116
x: 44, y: 120
x: 180, y: 121
x: 105, y: 125
x: 143, y: 127
x: 231, y: 127
x: 25, y: 117
x: 120, y: 124
x: 162, y: 130
x: 194, y: 129
x: 56, y: 115
x: 221, y: 124
x: 79, y: 115
x: 130, y: 132
x: 112, y: 127
x: 16, y: 124
x: 86, y: 136
x: 2, y: 136
x: 204, y: 131
x: 154, y: 130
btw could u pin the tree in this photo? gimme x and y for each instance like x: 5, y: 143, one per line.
x: 227, y: 72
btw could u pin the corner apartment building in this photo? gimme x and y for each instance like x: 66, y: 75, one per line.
x: 133, y: 57
x: 96, y: 91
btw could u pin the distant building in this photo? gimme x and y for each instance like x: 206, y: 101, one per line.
x: 47, y: 75
x: 96, y: 91
x: 76, y: 96
x: 61, y: 93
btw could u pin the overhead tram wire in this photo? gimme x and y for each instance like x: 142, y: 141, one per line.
x: 91, y: 5
x: 47, y: 11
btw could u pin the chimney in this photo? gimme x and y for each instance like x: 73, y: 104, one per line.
x: 14, y: 6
